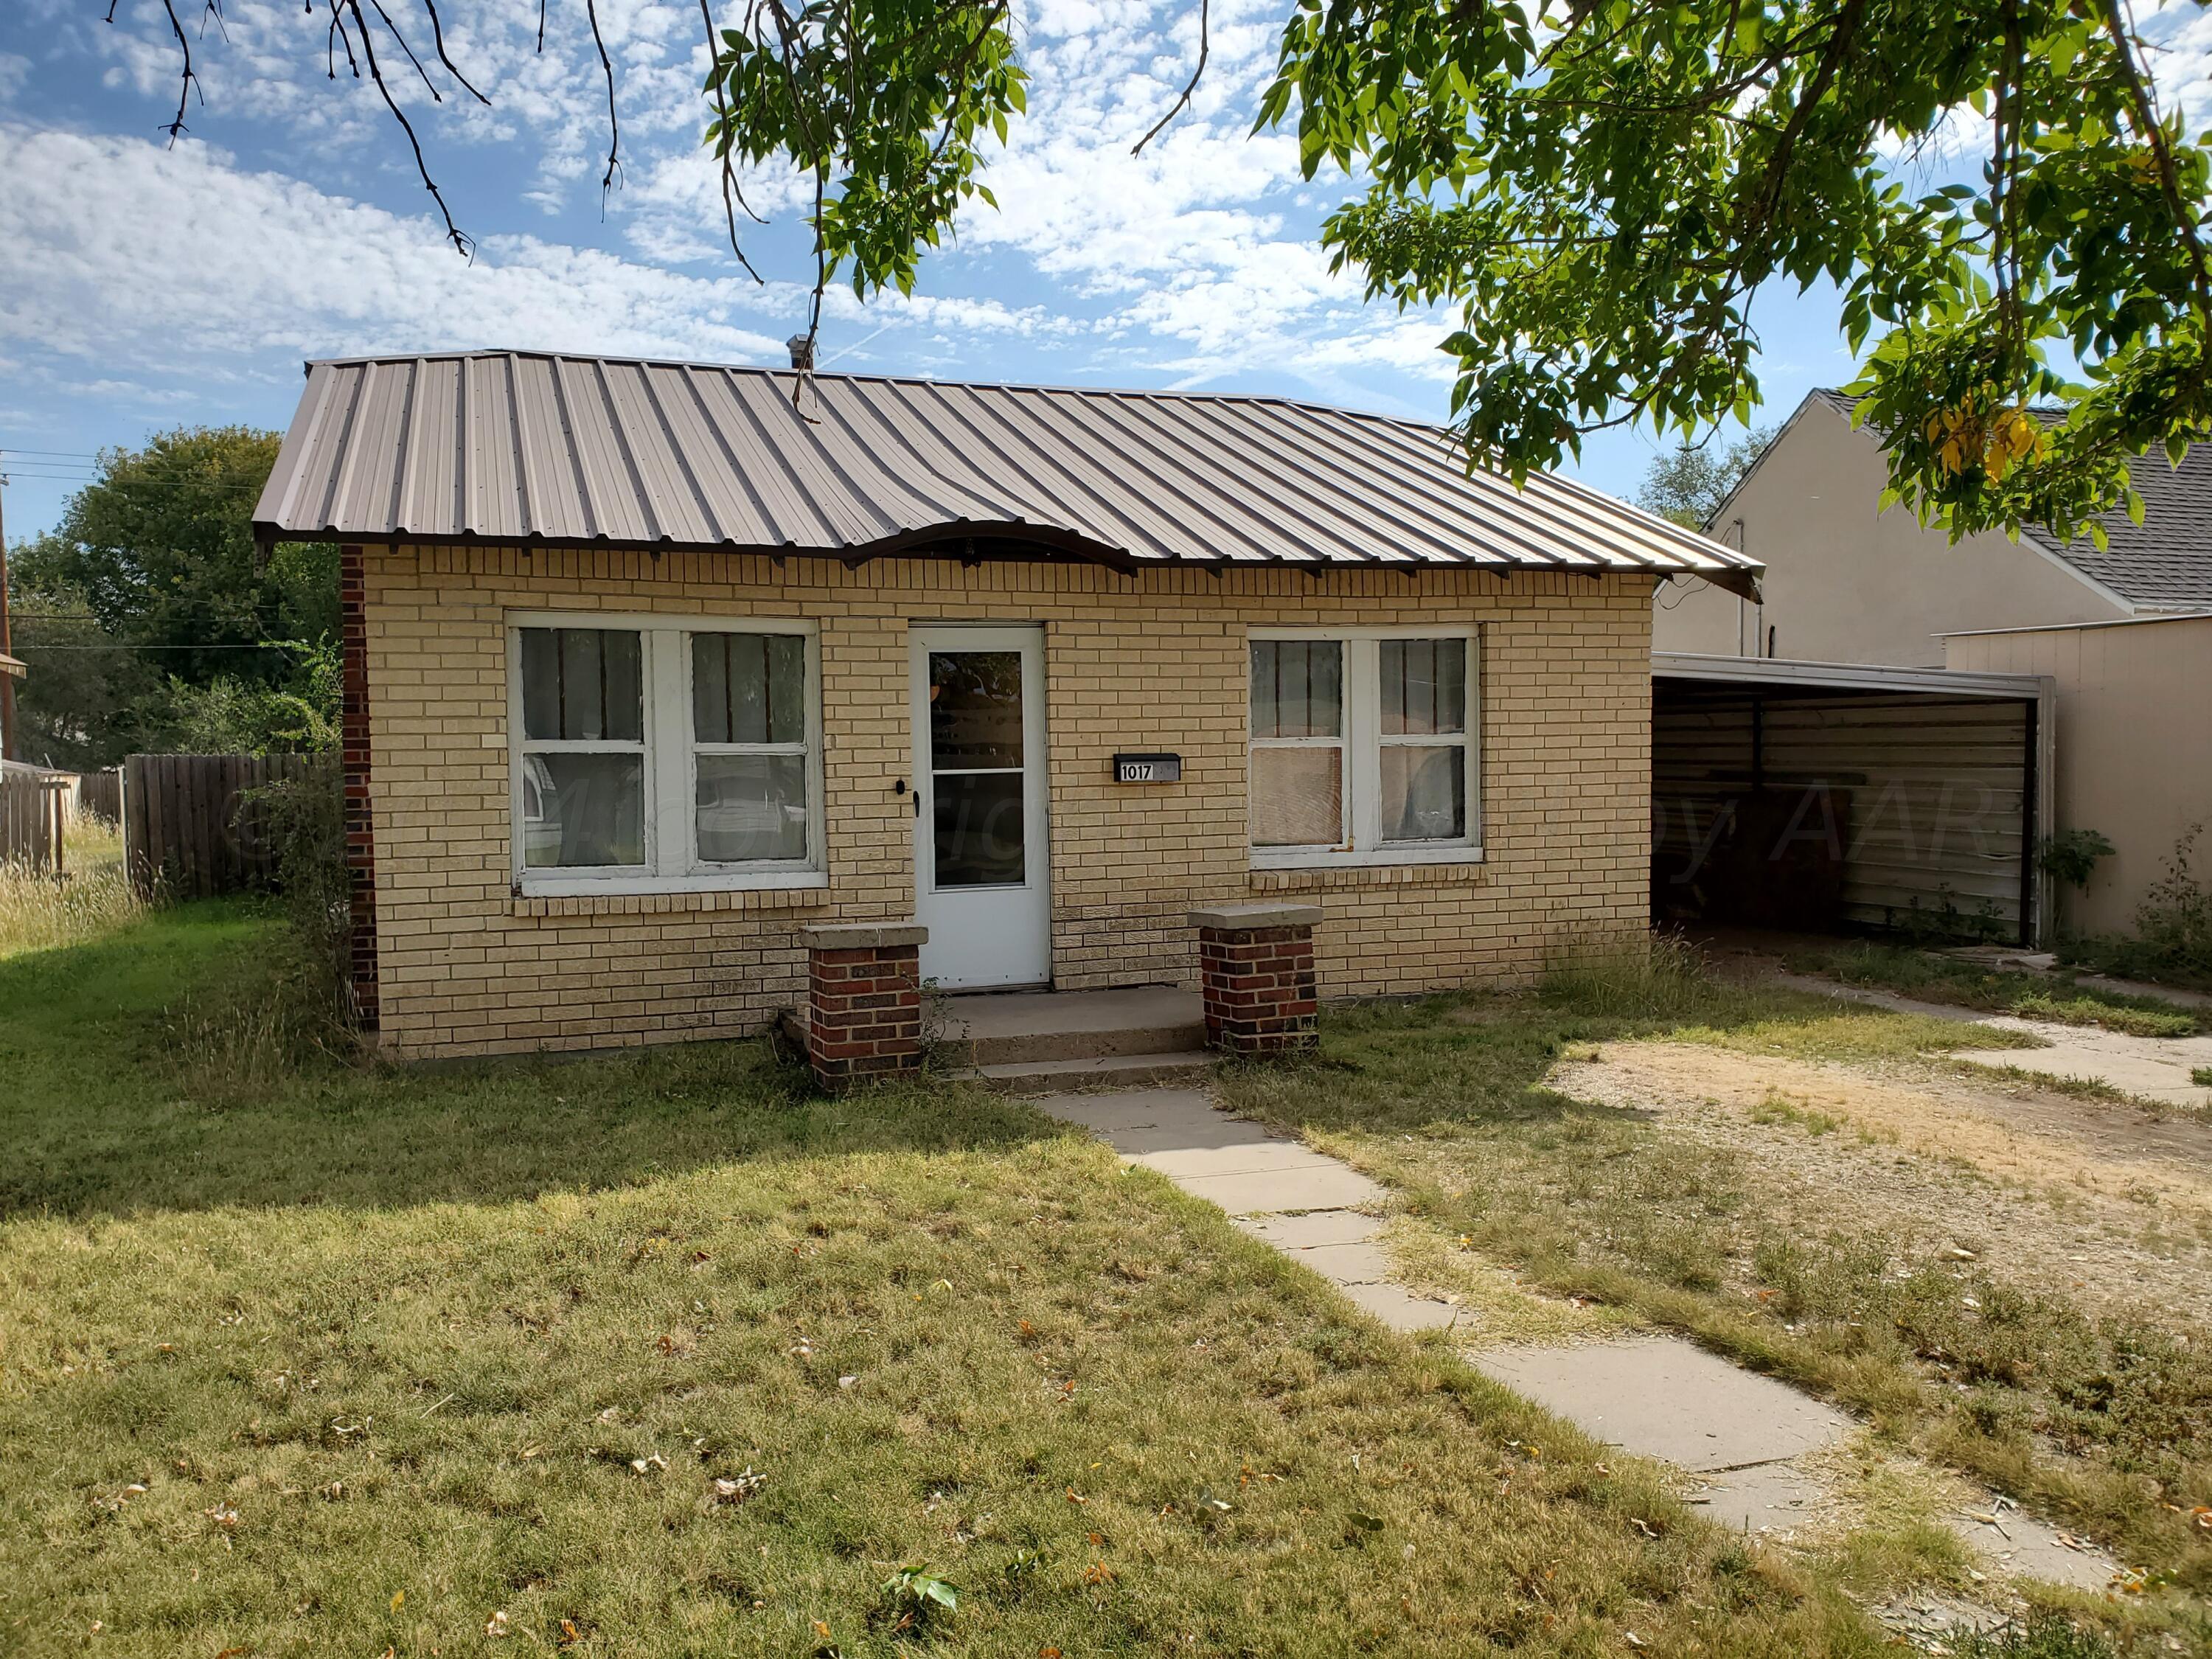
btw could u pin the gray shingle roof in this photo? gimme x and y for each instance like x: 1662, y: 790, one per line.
x: 2163, y: 563
x: 539, y: 449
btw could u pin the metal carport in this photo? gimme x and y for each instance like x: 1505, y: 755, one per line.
x: 1828, y: 797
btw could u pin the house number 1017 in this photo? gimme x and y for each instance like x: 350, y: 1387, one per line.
x: 1148, y: 768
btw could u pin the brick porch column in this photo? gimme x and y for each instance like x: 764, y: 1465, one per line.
x: 863, y: 1000
x: 1255, y: 965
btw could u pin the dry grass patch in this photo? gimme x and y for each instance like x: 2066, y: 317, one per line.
x: 2098, y: 1411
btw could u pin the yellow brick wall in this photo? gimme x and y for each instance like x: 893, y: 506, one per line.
x: 1155, y: 660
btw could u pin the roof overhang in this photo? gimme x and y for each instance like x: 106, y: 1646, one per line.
x: 12, y: 666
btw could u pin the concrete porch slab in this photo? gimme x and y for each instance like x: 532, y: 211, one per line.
x: 1004, y: 1027
x: 1667, y: 1398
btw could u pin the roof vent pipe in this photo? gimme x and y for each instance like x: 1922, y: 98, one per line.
x: 802, y: 352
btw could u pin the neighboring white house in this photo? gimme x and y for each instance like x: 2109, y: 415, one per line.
x: 1848, y: 583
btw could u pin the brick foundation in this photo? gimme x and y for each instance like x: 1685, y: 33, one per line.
x: 863, y: 1001
x: 1255, y: 965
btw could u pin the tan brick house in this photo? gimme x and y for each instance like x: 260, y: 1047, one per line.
x: 651, y: 666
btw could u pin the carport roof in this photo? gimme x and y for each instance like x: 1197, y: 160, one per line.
x: 1786, y: 674
x: 530, y: 448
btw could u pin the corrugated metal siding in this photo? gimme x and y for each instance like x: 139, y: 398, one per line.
x: 509, y: 447
x: 1935, y: 787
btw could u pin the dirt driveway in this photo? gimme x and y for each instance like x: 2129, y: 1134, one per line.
x: 2111, y: 1204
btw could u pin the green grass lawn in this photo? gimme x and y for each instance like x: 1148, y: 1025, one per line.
x: 662, y: 1354
x: 2104, y: 1423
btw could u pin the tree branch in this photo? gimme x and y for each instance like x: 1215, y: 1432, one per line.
x: 607, y: 179
x: 463, y: 243
x: 1204, y: 47
x: 2169, y: 178
x: 176, y: 128
x: 438, y: 39
x: 733, y: 196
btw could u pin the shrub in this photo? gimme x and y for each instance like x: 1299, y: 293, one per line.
x: 304, y: 817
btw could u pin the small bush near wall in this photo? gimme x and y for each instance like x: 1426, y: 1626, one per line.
x: 2172, y: 940
x: 304, y: 819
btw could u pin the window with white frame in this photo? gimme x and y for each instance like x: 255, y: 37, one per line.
x: 1363, y: 747
x: 654, y: 752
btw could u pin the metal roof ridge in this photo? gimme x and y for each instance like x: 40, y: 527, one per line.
x: 775, y: 371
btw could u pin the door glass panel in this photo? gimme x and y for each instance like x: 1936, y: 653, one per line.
x: 1297, y: 797
x: 1423, y: 791
x: 751, y: 806
x: 584, y: 810
x: 978, y: 829
x: 974, y: 710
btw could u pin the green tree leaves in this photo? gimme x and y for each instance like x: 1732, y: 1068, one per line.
x: 1602, y: 189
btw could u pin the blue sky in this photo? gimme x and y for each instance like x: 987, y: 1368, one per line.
x: 143, y: 285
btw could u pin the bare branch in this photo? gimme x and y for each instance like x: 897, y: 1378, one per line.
x: 438, y: 39
x: 1204, y: 47
x: 607, y: 179
x: 541, y: 27
x: 176, y: 128
x: 733, y: 197
x: 463, y: 244
x: 427, y: 85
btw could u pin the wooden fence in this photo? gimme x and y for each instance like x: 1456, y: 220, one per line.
x: 33, y: 808
x: 183, y: 825
x: 100, y: 793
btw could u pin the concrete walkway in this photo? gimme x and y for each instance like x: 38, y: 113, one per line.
x: 2156, y: 1068
x: 1744, y: 1437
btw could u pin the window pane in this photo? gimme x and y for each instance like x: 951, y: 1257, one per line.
x: 749, y: 688
x: 583, y: 810
x: 582, y: 684
x: 975, y: 710
x: 1297, y: 688
x: 1297, y: 797
x: 1424, y: 687
x: 751, y: 806
x: 979, y: 833
x: 1423, y: 791
x: 787, y: 688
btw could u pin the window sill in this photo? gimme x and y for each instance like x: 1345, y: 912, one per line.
x: 670, y: 895
x: 1466, y: 868
x: 1387, y: 857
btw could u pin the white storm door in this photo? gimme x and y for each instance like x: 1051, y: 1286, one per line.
x: 980, y: 862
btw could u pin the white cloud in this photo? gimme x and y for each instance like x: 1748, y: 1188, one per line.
x: 123, y: 252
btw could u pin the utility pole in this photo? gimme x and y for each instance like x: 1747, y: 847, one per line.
x: 7, y: 681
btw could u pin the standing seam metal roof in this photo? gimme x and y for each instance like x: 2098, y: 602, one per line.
x: 532, y: 448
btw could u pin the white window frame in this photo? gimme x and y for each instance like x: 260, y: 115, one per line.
x: 672, y: 864
x: 1362, y: 742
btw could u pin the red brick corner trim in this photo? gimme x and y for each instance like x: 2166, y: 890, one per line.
x: 353, y: 749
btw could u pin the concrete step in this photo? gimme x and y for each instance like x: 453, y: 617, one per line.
x: 1054, y: 1077
x: 1027, y: 1027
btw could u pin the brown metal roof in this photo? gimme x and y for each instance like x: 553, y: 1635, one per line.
x: 526, y: 448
